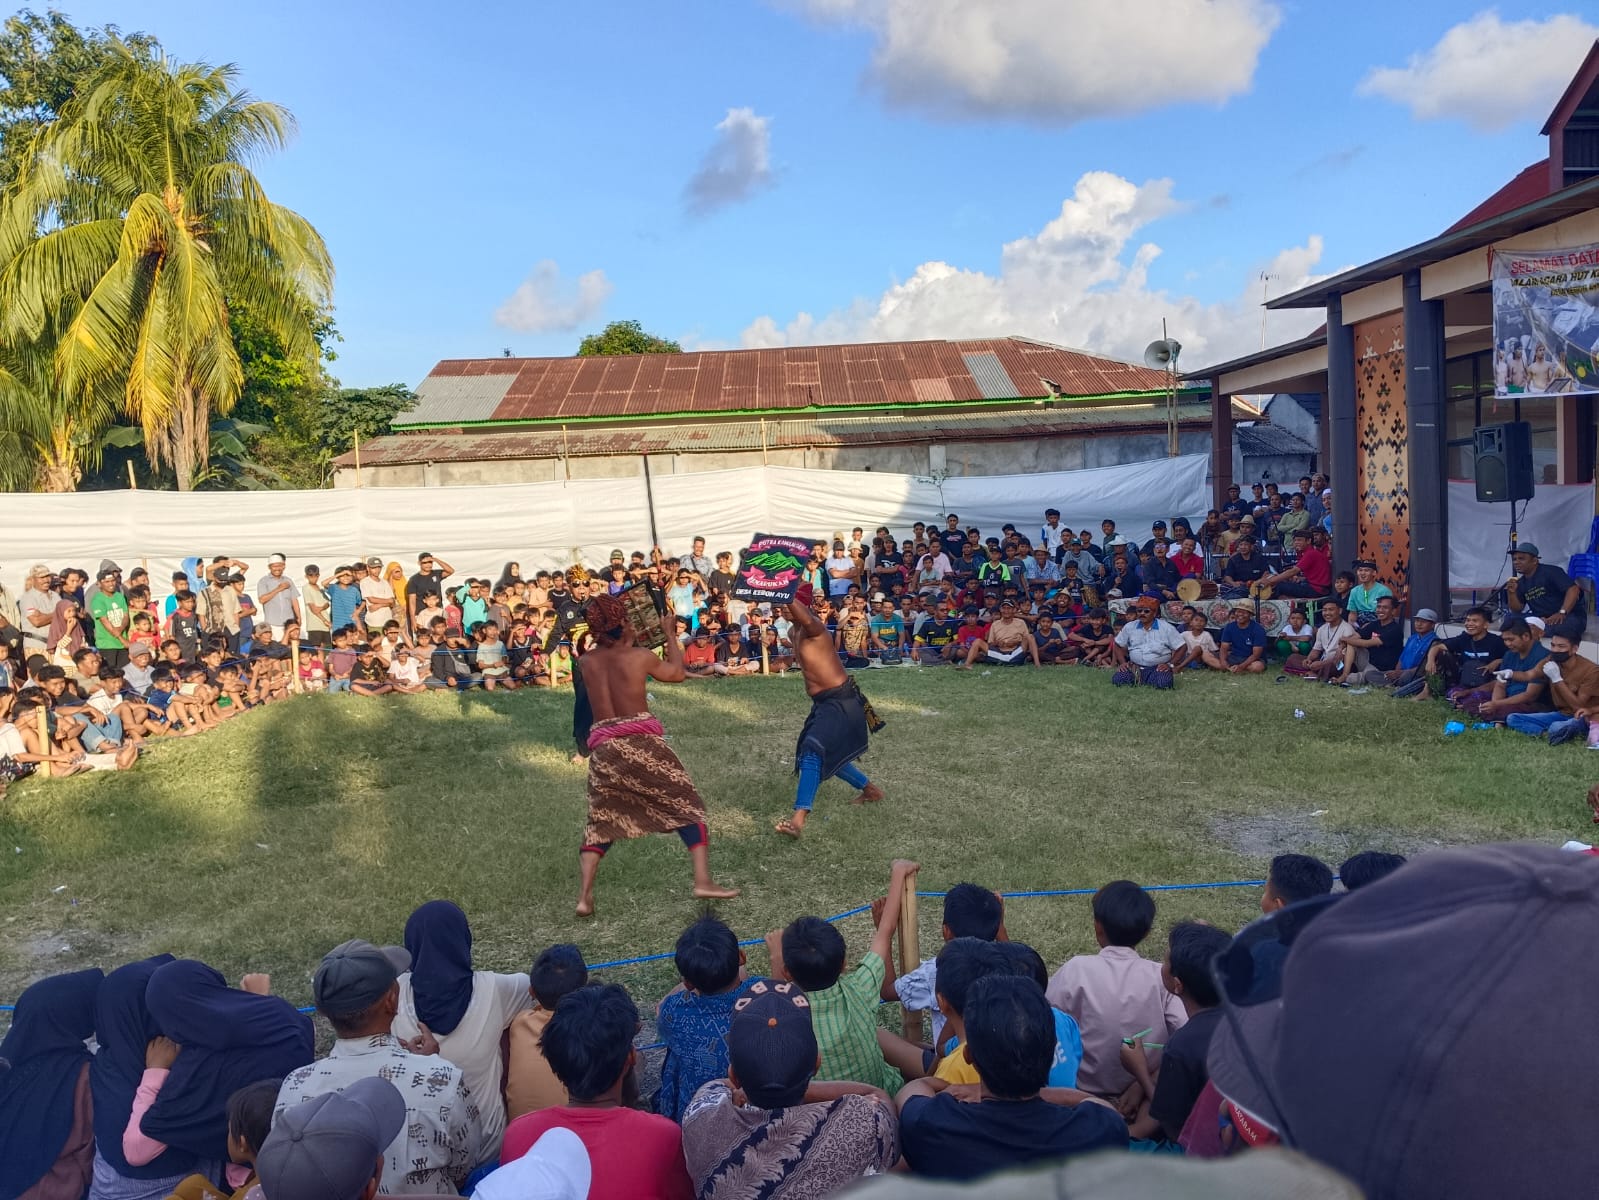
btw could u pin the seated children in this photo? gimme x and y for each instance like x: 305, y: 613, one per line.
x: 370, y: 679
x: 405, y: 671
x: 1115, y: 994
x: 493, y: 663
x: 1170, y: 1083
x: 530, y: 1084
x: 810, y: 952
x: 1201, y: 646
x: 694, y: 1022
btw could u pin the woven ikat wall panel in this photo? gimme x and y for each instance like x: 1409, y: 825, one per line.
x: 1382, y: 449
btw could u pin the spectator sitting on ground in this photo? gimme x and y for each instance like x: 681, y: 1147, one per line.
x: 693, y: 1021
x: 970, y: 911
x: 1049, y: 638
x: 1367, y: 867
x: 1378, y: 643
x: 1241, y: 644
x: 589, y: 1044
x: 1201, y: 646
x: 1519, y: 683
x: 1467, y: 661
x: 1330, y: 655
x: 1115, y: 994
x: 936, y: 638
x: 1573, y: 690
x: 1008, y: 642
x: 1409, y: 677
x: 1292, y: 878
x: 1147, y: 650
x: 1295, y: 637
x: 1169, y: 1086
x: 356, y: 988
x: 887, y: 632
x: 699, y: 656
x: 1092, y: 638
x: 447, y: 1008
x: 1017, y: 1120
x: 768, y: 1129
x: 810, y: 952
x: 530, y: 1084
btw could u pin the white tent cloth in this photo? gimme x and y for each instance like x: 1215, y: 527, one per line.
x: 478, y: 529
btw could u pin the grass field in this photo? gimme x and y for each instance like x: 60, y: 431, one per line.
x: 263, y: 844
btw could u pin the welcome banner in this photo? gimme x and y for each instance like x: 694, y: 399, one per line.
x: 1546, y: 322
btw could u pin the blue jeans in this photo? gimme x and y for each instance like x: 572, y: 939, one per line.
x: 1537, y: 724
x: 94, y: 736
x: 338, y: 685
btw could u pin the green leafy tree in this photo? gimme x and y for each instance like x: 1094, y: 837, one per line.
x: 48, y: 440
x: 284, y: 396
x: 625, y: 337
x: 133, y: 223
x: 364, y: 412
x: 44, y: 60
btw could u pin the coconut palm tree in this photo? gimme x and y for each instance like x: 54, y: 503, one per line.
x: 47, y: 440
x: 134, y: 216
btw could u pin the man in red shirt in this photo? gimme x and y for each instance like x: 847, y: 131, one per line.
x: 1310, y: 576
x: 633, y: 1155
x: 1190, y: 563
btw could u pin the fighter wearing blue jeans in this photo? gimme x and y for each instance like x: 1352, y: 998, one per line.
x: 840, y: 723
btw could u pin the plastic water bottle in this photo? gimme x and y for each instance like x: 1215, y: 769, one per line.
x: 1454, y: 729
x: 1299, y: 714
x: 1593, y: 735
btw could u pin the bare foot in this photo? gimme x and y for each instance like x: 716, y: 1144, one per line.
x: 577, y: 759
x: 789, y: 829
x: 585, y: 906
x: 870, y: 794
x: 710, y: 891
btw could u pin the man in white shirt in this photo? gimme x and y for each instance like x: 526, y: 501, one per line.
x: 698, y: 562
x: 838, y: 568
x: 278, y: 597
x: 1330, y: 654
x: 356, y: 989
x: 36, y: 608
x: 379, y: 596
x: 1147, y: 650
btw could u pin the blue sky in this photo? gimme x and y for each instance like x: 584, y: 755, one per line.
x: 868, y: 168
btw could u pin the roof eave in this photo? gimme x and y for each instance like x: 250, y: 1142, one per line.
x: 1312, y: 342
x: 1444, y: 246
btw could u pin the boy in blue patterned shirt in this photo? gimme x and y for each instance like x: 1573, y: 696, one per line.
x: 694, y: 1022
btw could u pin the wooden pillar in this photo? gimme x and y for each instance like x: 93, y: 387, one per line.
x: 1424, y: 405
x: 1221, y: 443
x: 910, y: 956
x: 1341, y: 441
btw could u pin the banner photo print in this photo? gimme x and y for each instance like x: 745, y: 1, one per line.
x: 1546, y: 322
x: 771, y: 570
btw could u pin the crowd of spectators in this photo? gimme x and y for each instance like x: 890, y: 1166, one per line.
x: 92, y: 667
x: 1316, y: 1027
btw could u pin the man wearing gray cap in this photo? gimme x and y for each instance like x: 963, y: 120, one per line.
x: 442, y: 1137
x: 332, y: 1146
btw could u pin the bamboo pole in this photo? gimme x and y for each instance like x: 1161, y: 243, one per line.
x: 133, y: 483
x: 44, y: 740
x: 294, y: 665
x: 357, y: 438
x: 910, y: 956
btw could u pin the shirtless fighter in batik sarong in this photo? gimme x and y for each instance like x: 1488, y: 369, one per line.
x: 636, y: 784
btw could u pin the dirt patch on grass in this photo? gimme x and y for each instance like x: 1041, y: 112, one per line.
x: 1266, y: 835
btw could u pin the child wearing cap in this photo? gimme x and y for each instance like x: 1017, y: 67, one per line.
x: 769, y: 1128
x: 693, y: 1021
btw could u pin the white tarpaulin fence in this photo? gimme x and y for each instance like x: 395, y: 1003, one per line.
x: 478, y: 529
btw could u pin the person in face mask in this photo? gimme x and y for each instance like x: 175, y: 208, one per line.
x: 1573, y: 689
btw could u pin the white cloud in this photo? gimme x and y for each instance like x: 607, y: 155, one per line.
x: 1079, y: 281
x: 1487, y: 72
x: 1056, y: 61
x: 738, y: 164
x: 546, y: 303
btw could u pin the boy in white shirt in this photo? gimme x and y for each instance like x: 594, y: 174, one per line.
x: 1202, y: 651
x: 405, y: 671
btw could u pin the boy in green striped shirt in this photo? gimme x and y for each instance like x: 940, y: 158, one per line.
x: 810, y: 952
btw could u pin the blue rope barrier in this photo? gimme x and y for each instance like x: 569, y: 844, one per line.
x: 866, y: 908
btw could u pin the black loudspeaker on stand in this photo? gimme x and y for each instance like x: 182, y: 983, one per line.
x: 1503, y: 457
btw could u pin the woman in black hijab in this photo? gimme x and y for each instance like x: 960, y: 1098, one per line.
x: 46, y: 1121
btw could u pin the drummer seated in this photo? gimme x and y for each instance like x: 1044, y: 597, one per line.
x: 1309, y: 577
x: 1246, y: 566
x: 1241, y: 644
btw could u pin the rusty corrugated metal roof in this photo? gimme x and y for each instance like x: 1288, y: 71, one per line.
x: 779, y: 434
x: 873, y: 375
